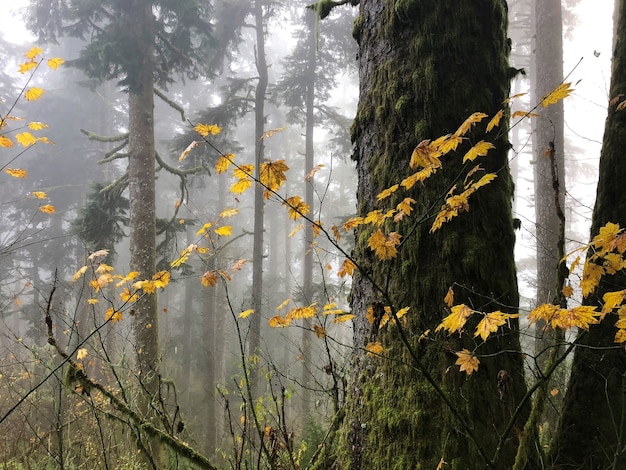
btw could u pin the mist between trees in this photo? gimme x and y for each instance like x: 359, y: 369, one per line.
x: 242, y: 234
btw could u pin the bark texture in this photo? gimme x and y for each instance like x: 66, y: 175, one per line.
x: 592, y: 430
x: 425, y: 66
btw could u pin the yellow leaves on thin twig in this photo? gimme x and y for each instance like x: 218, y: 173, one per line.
x: 302, y: 312
x: 560, y: 92
x: 417, y: 177
x: 346, y: 268
x: 468, y: 123
x: 189, y: 148
x: 404, y: 209
x: 224, y: 231
x: 577, y: 317
x: 229, y: 213
x: 425, y: 154
x: 47, y: 209
x: 207, y: 129
x: 33, y: 94
x: 523, y: 114
x: 613, y: 300
x: 385, y: 247
x: 127, y: 296
x: 387, y: 192
x: 283, y: 304
x: 33, y: 52
x: 278, y: 322
x: 456, y: 320
x: 297, y: 207
x: 113, y: 315
x: 467, y: 361
x: 184, y: 255
x: 224, y: 162
x: 374, y: 349
x: 272, y: 175
x: 246, y: 313
x: 567, y: 291
x: 209, y: 278
x: 5, y: 142
x: 78, y: 274
x: 495, y: 120
x: 592, y: 273
x: 26, y: 139
x: 37, y: 126
x: 478, y: 150
x: 491, y: 322
x: 26, y: 66
x: 203, y: 230
x: 243, y: 174
x: 55, y: 62
x: 16, y: 172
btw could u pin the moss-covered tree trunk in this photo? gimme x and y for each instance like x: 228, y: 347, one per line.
x: 425, y: 66
x: 592, y: 432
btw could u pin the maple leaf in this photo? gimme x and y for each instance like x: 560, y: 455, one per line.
x: 97, y: 254
x: 127, y: 296
x: 342, y: 318
x: 33, y: 94
x: 346, y: 269
x: 148, y: 286
x: 92, y: 301
x: 613, y: 300
x: 224, y: 230
x: 456, y: 320
x: 297, y: 207
x: 16, y: 172
x: 424, y: 155
x: 567, y: 291
x: 271, y: 132
x: 39, y: 194
x: 495, y: 121
x: 78, y: 274
x: 302, y: 312
x: 55, y: 62
x: 468, y: 123
x: 184, y: 255
x: 490, y: 324
x: 591, y: 277
x: 229, y: 213
x: 449, y: 298
x: 26, y: 66
x: 319, y: 331
x: 329, y: 309
x: 295, y: 230
x: 239, y: 264
x: 579, y: 317
x: 104, y: 268
x: 246, y: 313
x: 204, y: 229
x: 279, y: 322
x: 560, y: 92
x: 161, y: 279
x: 189, y: 148
x: 523, y: 114
x: 209, y: 278
x: 384, y: 246
x: 37, y: 126
x: 387, y: 192
x: 484, y: 180
x: 353, y: 222
x: 224, y: 162
x: 81, y: 354
x: 606, y: 236
x: 480, y: 149
x: 5, y: 142
x: 47, y: 209
x: 272, y: 174
x: 450, y: 144
x: 113, y: 315
x: 336, y: 232
x: 25, y: 139
x: 205, y: 129
x: 374, y: 349
x: 33, y: 52
x: 309, y: 176
x: 467, y: 361
x: 283, y: 304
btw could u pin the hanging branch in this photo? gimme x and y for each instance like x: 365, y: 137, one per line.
x: 173, y: 104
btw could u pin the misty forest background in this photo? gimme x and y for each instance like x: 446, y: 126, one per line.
x: 191, y: 381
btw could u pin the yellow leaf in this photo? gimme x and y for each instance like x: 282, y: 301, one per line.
x: 79, y: 273
x: 279, y: 322
x: 246, y: 313
x: 319, y: 331
x: 297, y: 207
x: 456, y: 320
x: 374, y: 349
x: 5, y: 142
x: 449, y: 298
x: 478, y: 150
x: 104, y: 268
x: 209, y: 278
x: 16, y: 172
x: 36, y: 126
x: 295, y: 230
x: 469, y: 122
x: 418, y: 177
x: 47, y: 209
x: 404, y: 208
x: 206, y: 129
x: 568, y: 291
x: 224, y: 230
x: 346, y: 269
x: 224, y: 162
x: 127, y: 296
x: 556, y: 95
x: 239, y: 264
x: 311, y: 173
x: 33, y: 52
x: 402, y: 312
x: 523, y: 114
x: 189, y: 148
x: 543, y: 312
x: 33, y: 94
x: 272, y: 174
x: 271, y: 132
x: 511, y: 98
x: 467, y: 361
x: 283, y: 304
x: 26, y: 66
x: 229, y: 213
x: 591, y: 277
x: 161, y: 279
x: 97, y: 254
x: 302, y: 312
x: 490, y: 324
x: 495, y: 121
x: 112, y: 315
x: 353, y: 222
x: 620, y: 336
x: 425, y: 155
x: 81, y: 354
x: 387, y: 192
x: 55, y: 62
x: 39, y: 194
x: 451, y: 143
x: 203, y: 229
x: 92, y: 301
x: 384, y: 246
x: 613, y: 300
x: 485, y: 180
x: 579, y: 317
x: 25, y: 139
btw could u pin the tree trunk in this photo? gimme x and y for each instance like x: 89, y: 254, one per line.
x: 425, y: 66
x: 592, y: 431
x: 142, y: 203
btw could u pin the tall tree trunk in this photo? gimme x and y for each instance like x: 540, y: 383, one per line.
x: 424, y: 68
x: 142, y: 203
x: 309, y: 162
x: 592, y: 432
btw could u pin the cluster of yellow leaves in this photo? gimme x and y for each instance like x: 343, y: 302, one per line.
x: 563, y: 318
x: 309, y: 311
x: 460, y: 314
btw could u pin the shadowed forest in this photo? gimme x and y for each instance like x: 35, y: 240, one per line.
x: 355, y: 234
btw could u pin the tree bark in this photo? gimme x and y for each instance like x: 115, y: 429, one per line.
x: 592, y: 431
x: 424, y: 67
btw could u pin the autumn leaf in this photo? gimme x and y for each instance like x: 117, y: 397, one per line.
x: 229, y: 213
x: 26, y: 66
x: 47, y: 209
x: 346, y: 269
x: 613, y: 300
x: 467, y: 361
x: 523, y: 114
x: 283, y: 304
x: 113, y: 315
x: 387, y: 192
x: 384, y: 246
x: 450, y: 144
x: 425, y: 155
x: 55, y: 62
x: 271, y: 132
x: 374, y: 349
x: 97, y: 254
x: 25, y: 139
x: 224, y: 231
x: 78, y: 274
x: 203, y: 230
x: 311, y: 173
x: 578, y: 317
x: 127, y: 296
x: 456, y: 320
x: 33, y: 94
x: 246, y: 313
x: 81, y: 354
x: 161, y: 279
x: 331, y: 309
x: 295, y: 230
x: 495, y: 121
x: 484, y: 180
x: 449, y: 298
x: 302, y: 312
x: 33, y: 52
x: 16, y: 172
x: 353, y: 222
x: 278, y: 322
x: 556, y: 95
x: 39, y: 194
x: 5, y: 142
x: 319, y: 331
x: 92, y: 301
x: 104, y: 268
x: 189, y: 148
x: 567, y: 291
x: 224, y: 162
x: 469, y: 122
x: 209, y: 279
x: 239, y: 264
x: 37, y: 126
x: 297, y: 207
x: 490, y: 324
x: 272, y: 174
x: 591, y: 277
x: 342, y: 318
x: 478, y: 150
x: 205, y: 129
